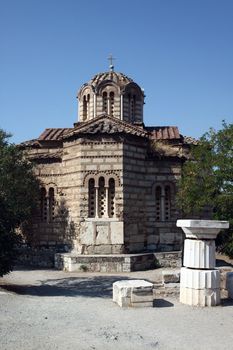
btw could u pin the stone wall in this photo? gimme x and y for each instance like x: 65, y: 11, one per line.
x: 134, y: 227
x: 116, y: 263
x: 140, y: 177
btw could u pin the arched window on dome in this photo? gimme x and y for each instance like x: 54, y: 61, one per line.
x: 111, y: 97
x: 131, y: 106
x: 105, y: 102
x: 86, y: 106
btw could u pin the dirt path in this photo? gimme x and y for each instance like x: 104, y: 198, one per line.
x: 48, y: 309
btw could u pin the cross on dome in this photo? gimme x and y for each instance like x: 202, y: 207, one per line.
x: 111, y: 59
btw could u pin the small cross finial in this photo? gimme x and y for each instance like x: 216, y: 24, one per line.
x: 111, y: 59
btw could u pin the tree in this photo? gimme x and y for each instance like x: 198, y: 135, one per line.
x: 18, y: 198
x: 207, y: 180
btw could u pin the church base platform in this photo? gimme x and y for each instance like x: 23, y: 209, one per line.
x: 116, y: 263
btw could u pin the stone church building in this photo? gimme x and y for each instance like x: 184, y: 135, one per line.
x: 108, y: 183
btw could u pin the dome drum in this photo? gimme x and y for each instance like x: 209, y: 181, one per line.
x: 114, y: 94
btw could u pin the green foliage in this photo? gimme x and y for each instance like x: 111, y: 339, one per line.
x: 18, y: 197
x: 207, y: 180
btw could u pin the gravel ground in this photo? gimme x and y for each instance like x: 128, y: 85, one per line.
x: 49, y: 309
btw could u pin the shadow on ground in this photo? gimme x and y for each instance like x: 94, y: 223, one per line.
x: 96, y: 286
x: 221, y: 262
x: 162, y: 303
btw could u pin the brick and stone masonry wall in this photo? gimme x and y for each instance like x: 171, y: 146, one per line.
x: 140, y: 177
x: 94, y: 159
x: 134, y: 184
x: 135, y: 179
x: 163, y: 235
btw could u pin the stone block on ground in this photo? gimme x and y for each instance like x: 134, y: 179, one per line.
x: 171, y: 276
x: 133, y: 293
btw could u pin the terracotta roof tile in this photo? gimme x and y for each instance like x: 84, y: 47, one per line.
x: 53, y: 134
x: 163, y: 132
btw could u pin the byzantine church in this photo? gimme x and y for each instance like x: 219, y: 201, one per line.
x: 108, y: 183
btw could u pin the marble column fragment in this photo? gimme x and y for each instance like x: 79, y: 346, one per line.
x: 199, y: 280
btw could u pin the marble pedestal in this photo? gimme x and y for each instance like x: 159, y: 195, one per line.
x: 199, y: 280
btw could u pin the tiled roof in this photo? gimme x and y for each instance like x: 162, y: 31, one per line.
x: 111, y: 125
x: 105, y: 124
x: 53, y: 134
x: 117, y: 77
x: 57, y: 155
x: 163, y: 132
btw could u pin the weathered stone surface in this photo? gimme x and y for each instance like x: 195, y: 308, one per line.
x: 200, y: 297
x: 199, y: 285
x: 199, y: 279
x: 134, y: 293
x: 199, y: 254
x: 171, y: 276
x: 202, y: 229
x: 108, y: 262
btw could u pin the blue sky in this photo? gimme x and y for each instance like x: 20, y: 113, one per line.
x: 179, y: 51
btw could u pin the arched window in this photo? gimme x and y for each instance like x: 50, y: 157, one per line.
x: 132, y: 105
x: 51, y: 204
x: 43, y: 204
x: 88, y: 106
x: 111, y: 103
x: 101, y: 199
x: 167, y: 203
x: 105, y: 102
x: 111, y: 198
x: 91, y: 196
x: 84, y: 108
x: 158, y: 197
x: 163, y: 203
x: 47, y: 205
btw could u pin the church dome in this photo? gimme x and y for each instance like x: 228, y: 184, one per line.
x: 111, y: 93
x: 116, y: 77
